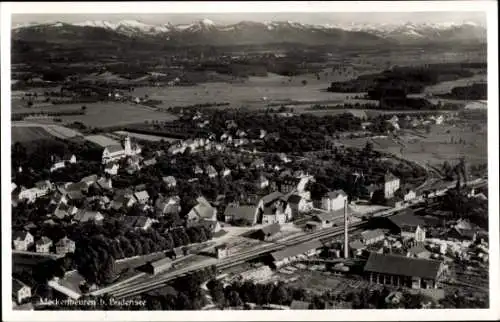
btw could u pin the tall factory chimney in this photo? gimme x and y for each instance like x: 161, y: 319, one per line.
x: 346, y: 234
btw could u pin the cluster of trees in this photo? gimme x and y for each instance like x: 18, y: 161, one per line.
x: 36, y: 158
x: 356, y: 105
x: 188, y: 294
x: 22, y: 116
x: 398, y: 82
x: 476, y: 91
x: 473, y: 209
x: 239, y: 293
x: 336, y: 168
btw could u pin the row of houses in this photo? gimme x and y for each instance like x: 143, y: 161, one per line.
x: 23, y: 240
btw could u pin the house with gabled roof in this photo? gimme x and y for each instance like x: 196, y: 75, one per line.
x: 210, y: 171
x: 225, y: 172
x: 197, y: 170
x: 141, y: 196
x: 139, y: 222
x: 149, y: 162
x: 262, y: 182
x: 203, y: 210
x: 165, y: 206
x: 258, y: 163
x: 169, y: 181
x: 43, y: 245
x: 20, y: 291
x: 85, y: 215
x: 90, y: 180
x: 391, y: 184
x: 22, y: 240
x: 369, y: 237
x: 104, y: 183
x: 246, y: 215
x: 112, y: 168
x: 298, y: 204
x: 334, y: 200
x: 65, y: 245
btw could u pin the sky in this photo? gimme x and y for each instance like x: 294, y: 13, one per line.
x: 227, y: 18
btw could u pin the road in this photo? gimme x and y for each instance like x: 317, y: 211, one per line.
x: 151, y: 282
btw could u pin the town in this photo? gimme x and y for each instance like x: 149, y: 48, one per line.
x: 126, y: 198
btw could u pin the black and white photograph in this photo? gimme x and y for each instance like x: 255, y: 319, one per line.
x: 262, y: 161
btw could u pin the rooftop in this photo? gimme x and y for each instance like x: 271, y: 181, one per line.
x: 296, y: 250
x: 400, y: 265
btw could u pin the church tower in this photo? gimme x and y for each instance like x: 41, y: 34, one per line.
x: 127, y: 146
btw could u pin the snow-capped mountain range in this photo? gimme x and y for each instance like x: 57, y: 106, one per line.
x: 401, y: 32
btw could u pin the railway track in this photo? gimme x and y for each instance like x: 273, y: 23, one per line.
x: 152, y: 282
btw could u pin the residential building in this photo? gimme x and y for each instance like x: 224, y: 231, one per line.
x: 225, y: 172
x: 258, y: 163
x: 149, y: 162
x: 246, y: 215
x: 112, y: 168
x: 104, y: 183
x: 404, y: 271
x: 210, y: 171
x: 197, y: 170
x: 84, y: 215
x: 298, y: 204
x: 139, y: 222
x: 22, y: 240
x: 65, y: 245
x: 391, y: 185
x: 272, y: 215
x: 202, y: 211
x: 284, y: 158
x: 118, y: 151
x: 122, y: 201
x: 165, y: 206
x: 369, y: 237
x: 334, y: 200
x: 327, y: 219
x: 43, y: 245
x: 141, y: 196
x: 20, y: 291
x: 90, y: 180
x: 262, y: 182
x: 409, y: 195
x: 169, y: 181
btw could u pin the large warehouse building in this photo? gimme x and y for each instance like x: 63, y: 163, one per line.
x: 404, y: 271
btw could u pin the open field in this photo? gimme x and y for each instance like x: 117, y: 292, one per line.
x: 101, y: 140
x: 253, y: 92
x: 31, y: 133
x: 445, y: 87
x: 144, y: 137
x: 436, y: 147
x: 110, y: 114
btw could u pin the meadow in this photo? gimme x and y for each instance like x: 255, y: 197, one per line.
x: 29, y: 133
x: 105, y: 114
x: 443, y: 143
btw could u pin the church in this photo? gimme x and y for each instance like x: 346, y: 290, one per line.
x: 117, y: 152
